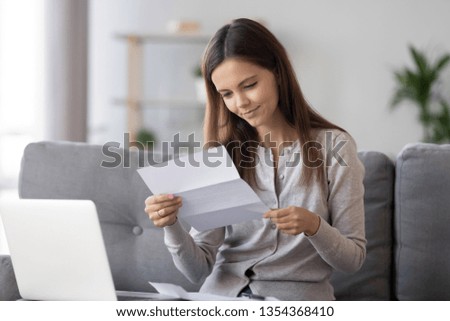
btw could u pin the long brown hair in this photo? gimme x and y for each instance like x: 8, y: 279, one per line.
x: 250, y: 41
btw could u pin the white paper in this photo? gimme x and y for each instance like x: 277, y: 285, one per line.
x: 213, y: 193
x: 177, y: 292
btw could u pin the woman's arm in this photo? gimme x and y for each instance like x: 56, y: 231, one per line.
x: 341, y: 242
x: 193, y: 254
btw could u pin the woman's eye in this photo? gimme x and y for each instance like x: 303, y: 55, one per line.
x: 250, y: 85
x: 225, y: 95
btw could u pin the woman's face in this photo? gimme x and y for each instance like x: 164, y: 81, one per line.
x: 249, y: 91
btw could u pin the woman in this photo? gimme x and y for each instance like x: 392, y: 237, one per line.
x: 256, y: 109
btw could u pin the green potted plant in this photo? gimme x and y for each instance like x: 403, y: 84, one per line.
x: 146, y: 138
x: 419, y: 85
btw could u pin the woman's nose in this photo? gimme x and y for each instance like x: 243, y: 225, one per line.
x: 242, y: 100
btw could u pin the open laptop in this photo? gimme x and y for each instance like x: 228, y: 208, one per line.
x: 57, y: 251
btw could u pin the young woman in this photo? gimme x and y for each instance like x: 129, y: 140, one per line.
x: 302, y: 166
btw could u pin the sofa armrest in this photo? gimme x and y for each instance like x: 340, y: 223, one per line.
x: 8, y: 285
x: 422, y: 223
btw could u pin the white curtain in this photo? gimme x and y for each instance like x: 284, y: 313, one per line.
x: 22, y: 83
x: 66, y: 32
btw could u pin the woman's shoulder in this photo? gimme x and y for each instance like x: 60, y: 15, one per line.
x: 327, y: 135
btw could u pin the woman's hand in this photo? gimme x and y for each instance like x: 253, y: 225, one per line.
x: 294, y: 220
x: 163, y: 209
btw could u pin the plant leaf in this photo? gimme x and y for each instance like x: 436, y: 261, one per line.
x: 416, y: 84
x: 420, y: 60
x: 441, y: 63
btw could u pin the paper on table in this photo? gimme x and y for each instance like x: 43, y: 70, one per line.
x: 213, y: 193
x: 177, y: 292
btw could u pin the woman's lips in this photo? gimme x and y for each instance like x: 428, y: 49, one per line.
x: 248, y: 113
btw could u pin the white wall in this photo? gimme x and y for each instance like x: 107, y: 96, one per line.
x: 343, y: 51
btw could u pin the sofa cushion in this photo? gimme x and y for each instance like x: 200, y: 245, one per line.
x: 135, y: 248
x: 373, y: 280
x: 422, y: 222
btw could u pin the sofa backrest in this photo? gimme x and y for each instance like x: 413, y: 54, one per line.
x: 420, y: 237
x: 422, y: 223
x: 374, y: 280
x: 135, y: 248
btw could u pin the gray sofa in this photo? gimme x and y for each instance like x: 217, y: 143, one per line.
x: 407, y: 219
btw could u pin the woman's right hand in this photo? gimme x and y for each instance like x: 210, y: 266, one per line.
x: 163, y: 209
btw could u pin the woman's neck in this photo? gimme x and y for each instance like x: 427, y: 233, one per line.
x: 277, y: 132
x: 277, y: 137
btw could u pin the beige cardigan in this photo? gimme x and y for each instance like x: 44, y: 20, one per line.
x: 272, y: 263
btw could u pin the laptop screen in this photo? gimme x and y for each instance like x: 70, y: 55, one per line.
x: 57, y: 249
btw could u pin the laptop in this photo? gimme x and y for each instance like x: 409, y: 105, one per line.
x: 57, y: 251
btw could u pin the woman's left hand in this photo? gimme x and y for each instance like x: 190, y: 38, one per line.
x: 294, y: 220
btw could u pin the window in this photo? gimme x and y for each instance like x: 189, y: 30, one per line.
x: 21, y: 87
x: 21, y: 82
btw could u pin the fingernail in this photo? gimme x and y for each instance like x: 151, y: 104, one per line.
x: 170, y: 196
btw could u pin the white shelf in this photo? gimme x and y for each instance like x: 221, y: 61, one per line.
x: 135, y: 101
x: 163, y: 103
x: 166, y: 38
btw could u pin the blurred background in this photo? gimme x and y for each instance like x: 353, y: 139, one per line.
x: 91, y: 71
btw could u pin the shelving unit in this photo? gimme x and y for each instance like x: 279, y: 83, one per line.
x: 135, y: 101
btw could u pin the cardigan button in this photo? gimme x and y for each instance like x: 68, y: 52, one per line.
x: 137, y: 230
